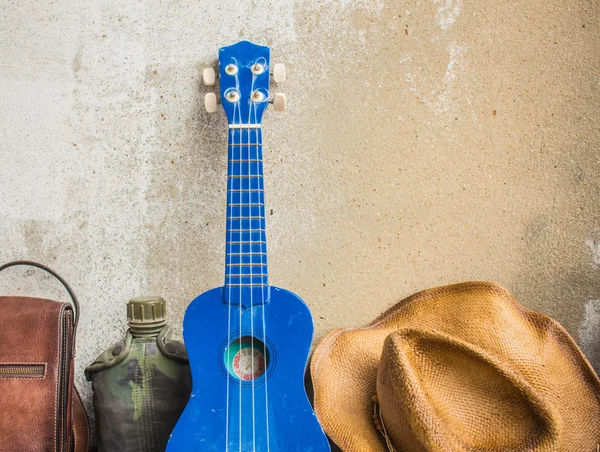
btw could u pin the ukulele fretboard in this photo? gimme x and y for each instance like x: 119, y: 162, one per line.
x: 246, y: 280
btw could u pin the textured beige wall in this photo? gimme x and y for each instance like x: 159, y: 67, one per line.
x: 427, y: 142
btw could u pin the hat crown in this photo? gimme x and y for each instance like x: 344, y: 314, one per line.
x: 461, y: 398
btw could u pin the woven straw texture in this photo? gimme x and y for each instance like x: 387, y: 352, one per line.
x: 458, y: 368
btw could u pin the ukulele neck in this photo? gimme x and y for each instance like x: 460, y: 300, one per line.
x: 246, y: 277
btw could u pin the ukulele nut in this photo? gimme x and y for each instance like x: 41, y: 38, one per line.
x: 231, y: 69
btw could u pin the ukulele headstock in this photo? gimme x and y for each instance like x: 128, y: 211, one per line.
x: 244, y: 83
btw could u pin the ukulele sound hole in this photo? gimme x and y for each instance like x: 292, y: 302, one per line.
x: 246, y: 358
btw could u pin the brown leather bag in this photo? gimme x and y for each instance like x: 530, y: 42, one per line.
x: 40, y: 408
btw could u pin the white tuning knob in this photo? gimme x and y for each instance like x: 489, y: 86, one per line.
x: 208, y: 76
x: 210, y: 102
x: 279, y: 73
x: 279, y: 102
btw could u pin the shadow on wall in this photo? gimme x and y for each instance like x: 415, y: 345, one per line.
x: 589, y: 333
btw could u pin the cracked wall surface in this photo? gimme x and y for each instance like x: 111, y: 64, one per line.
x: 427, y: 142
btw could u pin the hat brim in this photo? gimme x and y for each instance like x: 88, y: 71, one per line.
x: 344, y: 373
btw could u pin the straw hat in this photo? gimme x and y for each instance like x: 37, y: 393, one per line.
x: 458, y: 368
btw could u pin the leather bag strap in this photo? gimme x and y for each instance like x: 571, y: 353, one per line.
x: 57, y: 276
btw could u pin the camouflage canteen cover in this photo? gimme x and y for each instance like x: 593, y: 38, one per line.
x: 141, y: 385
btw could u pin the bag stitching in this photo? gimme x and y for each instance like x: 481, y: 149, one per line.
x: 63, y: 440
x: 73, y: 421
x: 57, y: 373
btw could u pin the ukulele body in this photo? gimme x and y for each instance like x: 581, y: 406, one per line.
x: 234, y: 379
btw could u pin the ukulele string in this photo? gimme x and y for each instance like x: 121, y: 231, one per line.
x: 240, y: 287
x: 250, y: 209
x: 263, y: 264
x: 230, y: 247
x: 230, y: 196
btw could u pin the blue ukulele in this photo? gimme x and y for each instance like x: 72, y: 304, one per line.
x: 247, y: 341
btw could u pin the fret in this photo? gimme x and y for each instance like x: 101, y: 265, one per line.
x: 243, y: 167
x: 246, y: 275
x: 246, y: 243
x: 250, y: 152
x: 256, y: 225
x: 238, y: 255
x: 234, y: 240
x: 247, y: 210
x: 245, y: 265
x: 243, y: 224
x: 258, y: 257
x: 245, y: 158
x: 246, y: 280
x: 256, y: 248
x: 240, y: 146
x: 246, y: 204
x: 246, y: 191
x: 245, y: 230
x: 243, y: 204
x: 246, y: 218
x: 246, y: 254
x: 235, y: 213
x: 242, y: 184
x: 246, y: 176
x: 246, y: 259
x: 247, y: 285
x: 253, y: 237
x: 241, y: 199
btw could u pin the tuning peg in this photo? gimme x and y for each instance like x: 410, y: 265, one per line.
x: 208, y: 76
x: 279, y: 102
x: 279, y: 73
x: 210, y: 102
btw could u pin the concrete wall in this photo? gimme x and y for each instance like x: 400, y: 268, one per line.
x: 427, y: 142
